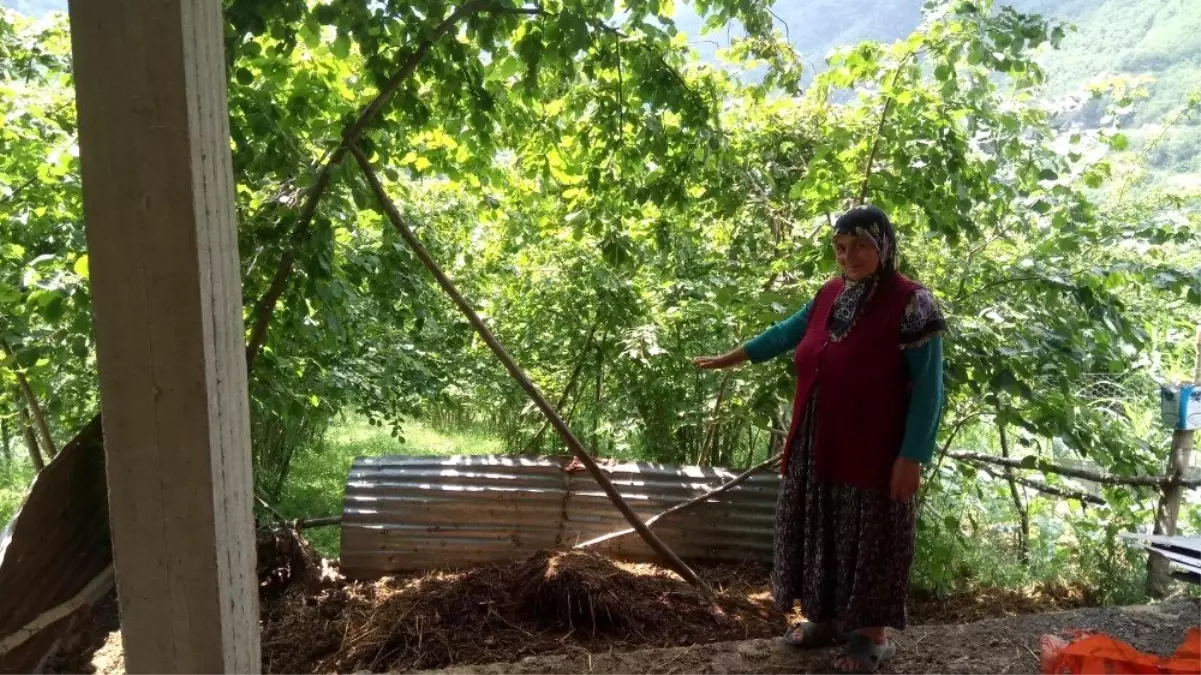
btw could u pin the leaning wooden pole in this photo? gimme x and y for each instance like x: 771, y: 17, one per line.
x: 530, y: 389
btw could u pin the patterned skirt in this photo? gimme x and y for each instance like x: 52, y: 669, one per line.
x: 843, y: 552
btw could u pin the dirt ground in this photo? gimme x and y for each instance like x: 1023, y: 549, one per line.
x: 1008, y: 645
x: 581, y: 612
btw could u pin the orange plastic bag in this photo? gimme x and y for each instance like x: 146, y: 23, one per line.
x: 1102, y: 654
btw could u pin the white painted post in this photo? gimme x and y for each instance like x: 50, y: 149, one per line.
x: 167, y: 302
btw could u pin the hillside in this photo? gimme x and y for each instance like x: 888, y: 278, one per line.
x: 1158, y: 38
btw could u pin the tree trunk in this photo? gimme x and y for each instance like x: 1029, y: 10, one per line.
x: 1018, y: 505
x: 1159, y: 570
x: 6, y: 440
x: 532, y: 446
x: 775, y: 442
x: 32, y: 402
x: 596, y: 407
x: 31, y: 441
x: 39, y: 418
x: 711, y: 434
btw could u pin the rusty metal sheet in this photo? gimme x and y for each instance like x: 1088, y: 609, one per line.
x: 54, y: 546
x: 412, y: 513
x: 417, y: 513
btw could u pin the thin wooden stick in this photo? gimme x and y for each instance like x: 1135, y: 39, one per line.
x: 99, y: 584
x: 518, y: 374
x: 725, y: 487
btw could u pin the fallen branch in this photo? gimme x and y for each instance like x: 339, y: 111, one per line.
x: 298, y: 523
x: 1082, y: 474
x: 309, y: 523
x: 725, y: 487
x: 1042, y: 487
x: 274, y: 511
x: 100, y: 584
x: 516, y: 372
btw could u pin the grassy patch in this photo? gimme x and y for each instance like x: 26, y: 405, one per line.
x: 14, y: 482
x: 318, y: 479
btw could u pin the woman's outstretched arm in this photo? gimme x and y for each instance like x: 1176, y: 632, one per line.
x: 778, y: 339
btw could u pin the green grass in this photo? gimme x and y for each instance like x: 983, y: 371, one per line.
x: 318, y: 479
x: 14, y: 481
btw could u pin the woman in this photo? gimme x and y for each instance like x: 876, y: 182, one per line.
x: 868, y: 355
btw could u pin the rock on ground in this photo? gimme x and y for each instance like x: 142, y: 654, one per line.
x: 993, y: 646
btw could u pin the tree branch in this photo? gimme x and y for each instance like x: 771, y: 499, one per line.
x: 34, y: 407
x: 1018, y: 504
x: 871, y: 157
x: 1041, y: 487
x: 265, y: 308
x: 31, y: 440
x: 942, y: 454
x: 725, y: 487
x: 309, y: 523
x: 711, y: 432
x: 1082, y: 474
x: 571, y: 382
x: 531, y: 390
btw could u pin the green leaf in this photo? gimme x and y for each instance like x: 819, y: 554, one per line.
x: 244, y: 76
x: 341, y: 46
x: 81, y: 266
x: 1119, y: 142
x: 325, y: 14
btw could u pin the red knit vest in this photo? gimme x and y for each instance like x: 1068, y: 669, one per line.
x: 863, y: 387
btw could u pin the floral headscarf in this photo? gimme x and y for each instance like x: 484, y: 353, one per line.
x: 922, y: 320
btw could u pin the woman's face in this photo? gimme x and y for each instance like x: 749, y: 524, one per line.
x: 857, y: 256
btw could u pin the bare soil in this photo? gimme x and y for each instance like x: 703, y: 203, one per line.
x: 580, y: 612
x: 1008, y: 645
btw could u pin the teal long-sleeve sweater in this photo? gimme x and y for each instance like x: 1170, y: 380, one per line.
x: 924, y: 364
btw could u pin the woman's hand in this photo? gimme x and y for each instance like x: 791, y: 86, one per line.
x: 709, y: 362
x: 906, y: 475
x: 724, y: 361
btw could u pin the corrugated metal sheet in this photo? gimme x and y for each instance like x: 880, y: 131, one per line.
x: 55, y: 545
x: 415, y: 513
